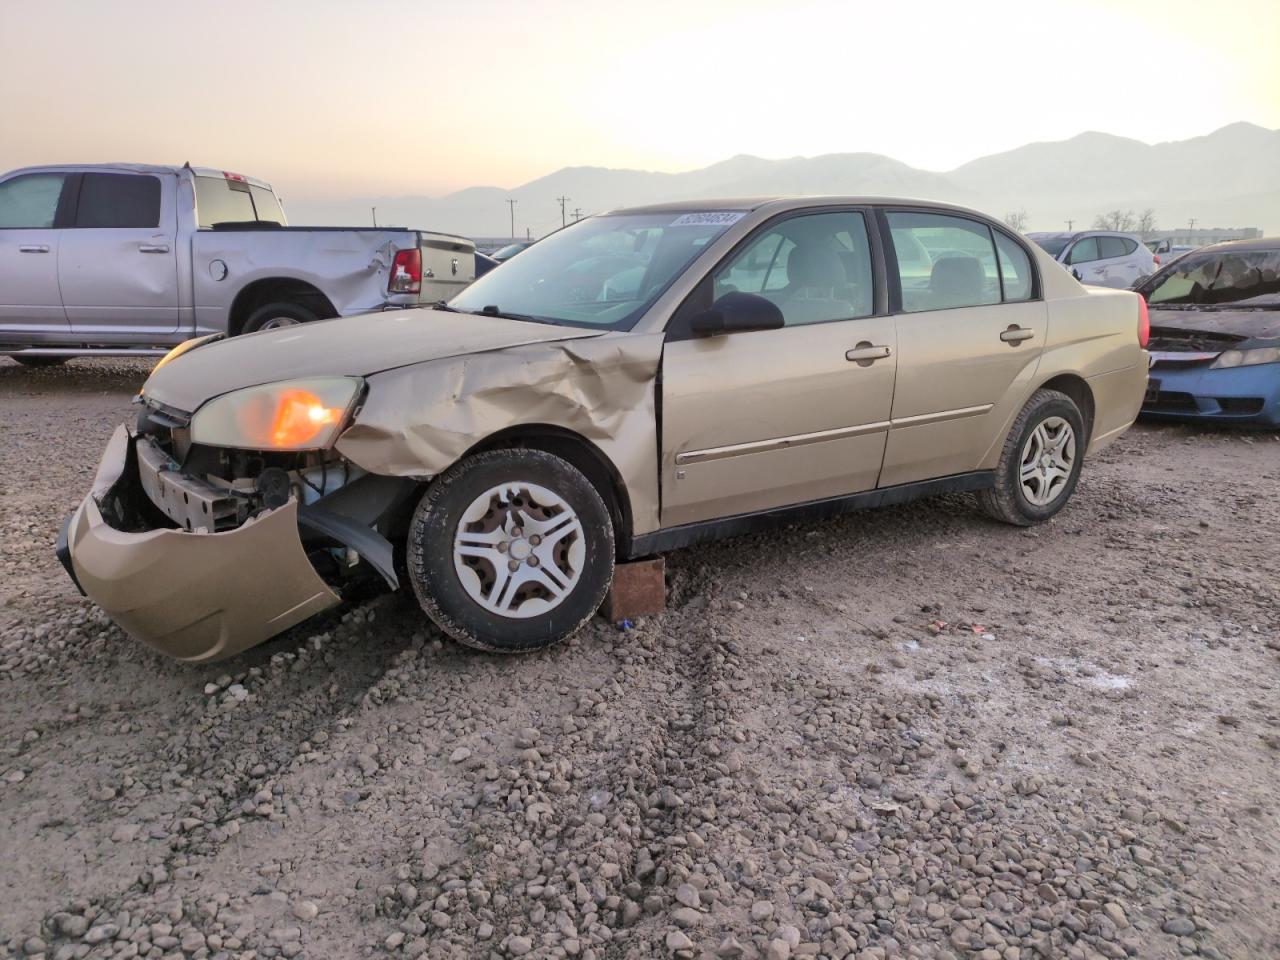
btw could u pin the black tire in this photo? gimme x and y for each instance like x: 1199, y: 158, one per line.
x: 1007, y: 501
x: 42, y: 361
x: 430, y: 551
x: 276, y: 312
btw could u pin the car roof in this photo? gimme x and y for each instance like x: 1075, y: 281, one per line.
x: 1257, y: 243
x: 785, y: 203
x: 156, y: 169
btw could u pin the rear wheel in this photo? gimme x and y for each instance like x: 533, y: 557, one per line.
x: 1040, y: 463
x: 275, y: 316
x: 42, y: 361
x: 511, y: 550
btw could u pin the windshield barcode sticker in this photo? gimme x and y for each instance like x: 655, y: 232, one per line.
x: 709, y: 219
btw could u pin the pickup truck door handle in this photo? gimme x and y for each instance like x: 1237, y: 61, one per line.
x: 865, y: 353
x: 153, y: 248
x: 34, y: 248
x: 1016, y: 334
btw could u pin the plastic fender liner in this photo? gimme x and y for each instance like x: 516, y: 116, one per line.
x: 364, y: 540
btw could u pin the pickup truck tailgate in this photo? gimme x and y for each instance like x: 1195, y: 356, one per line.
x: 448, y: 265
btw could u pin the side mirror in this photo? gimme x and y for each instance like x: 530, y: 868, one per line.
x: 737, y: 313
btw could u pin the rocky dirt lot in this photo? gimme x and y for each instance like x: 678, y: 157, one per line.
x: 911, y: 732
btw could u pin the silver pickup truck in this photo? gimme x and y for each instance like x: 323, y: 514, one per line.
x: 123, y: 260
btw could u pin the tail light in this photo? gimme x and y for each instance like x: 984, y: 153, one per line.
x: 1156, y: 259
x: 406, y: 272
x: 1144, y: 323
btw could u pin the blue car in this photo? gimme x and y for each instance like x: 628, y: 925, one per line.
x: 1215, y: 335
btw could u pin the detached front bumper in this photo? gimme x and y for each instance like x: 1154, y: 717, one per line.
x: 1239, y: 395
x: 193, y: 596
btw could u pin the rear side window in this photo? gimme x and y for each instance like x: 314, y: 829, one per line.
x: 944, y: 261
x: 118, y: 200
x: 1015, y: 269
x: 1084, y: 251
x: 1115, y: 247
x: 30, y: 202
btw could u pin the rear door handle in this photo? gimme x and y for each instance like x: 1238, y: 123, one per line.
x: 154, y: 248
x: 866, y: 352
x: 1016, y: 334
x: 34, y: 248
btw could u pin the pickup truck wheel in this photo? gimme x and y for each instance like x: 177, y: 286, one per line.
x: 511, y: 550
x: 1040, y: 463
x: 42, y: 361
x: 276, y: 315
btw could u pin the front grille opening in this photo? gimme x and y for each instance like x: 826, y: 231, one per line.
x: 1240, y: 406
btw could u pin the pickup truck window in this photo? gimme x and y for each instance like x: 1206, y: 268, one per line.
x: 266, y: 206
x: 220, y: 200
x: 30, y: 202
x: 118, y: 200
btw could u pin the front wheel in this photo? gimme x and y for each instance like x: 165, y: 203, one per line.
x: 511, y: 550
x: 1040, y: 463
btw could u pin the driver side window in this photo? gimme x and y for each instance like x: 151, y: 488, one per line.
x: 816, y: 268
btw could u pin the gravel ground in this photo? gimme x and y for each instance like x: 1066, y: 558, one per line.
x: 910, y: 732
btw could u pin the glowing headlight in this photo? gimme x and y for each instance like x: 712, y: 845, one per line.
x: 1247, y: 358
x: 290, y: 415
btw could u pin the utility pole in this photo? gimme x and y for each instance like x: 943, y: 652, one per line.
x: 512, y: 205
x: 375, y: 215
x: 1070, y: 224
x: 563, y: 201
x: 577, y: 214
x: 1191, y: 224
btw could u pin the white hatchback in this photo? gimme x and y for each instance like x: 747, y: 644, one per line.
x: 1100, y: 257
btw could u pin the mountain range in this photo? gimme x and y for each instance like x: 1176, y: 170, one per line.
x: 1228, y: 178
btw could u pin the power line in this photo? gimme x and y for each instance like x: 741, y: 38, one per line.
x: 563, y: 201
x: 512, y: 205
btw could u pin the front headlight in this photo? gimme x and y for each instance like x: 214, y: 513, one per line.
x: 1247, y: 358
x: 290, y: 415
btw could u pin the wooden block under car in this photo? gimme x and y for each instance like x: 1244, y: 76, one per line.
x: 639, y: 590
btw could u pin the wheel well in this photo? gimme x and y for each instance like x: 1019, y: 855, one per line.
x: 580, y: 452
x: 276, y: 290
x: 1075, y: 388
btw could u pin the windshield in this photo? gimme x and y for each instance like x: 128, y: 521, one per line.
x: 1244, y: 278
x: 600, y: 272
x: 1051, y: 245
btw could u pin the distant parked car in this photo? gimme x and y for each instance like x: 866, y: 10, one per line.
x: 1215, y: 335
x: 1166, y: 251
x: 1100, y: 257
x: 123, y: 259
x: 484, y: 263
x: 511, y: 249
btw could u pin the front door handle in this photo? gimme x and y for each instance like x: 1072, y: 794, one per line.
x: 1016, y: 334
x: 153, y: 248
x: 34, y: 248
x: 866, y: 353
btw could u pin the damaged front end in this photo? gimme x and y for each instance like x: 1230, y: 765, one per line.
x: 202, y: 552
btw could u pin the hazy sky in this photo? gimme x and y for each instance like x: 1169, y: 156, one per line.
x: 335, y: 98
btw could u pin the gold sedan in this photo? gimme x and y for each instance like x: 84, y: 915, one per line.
x: 637, y: 382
